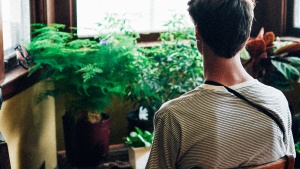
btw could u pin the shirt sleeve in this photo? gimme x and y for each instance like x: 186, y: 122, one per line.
x: 290, y: 142
x: 165, y: 147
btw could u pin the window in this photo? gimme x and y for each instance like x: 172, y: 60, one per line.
x: 293, y: 18
x: 144, y: 15
x: 15, y: 24
x: 297, y: 14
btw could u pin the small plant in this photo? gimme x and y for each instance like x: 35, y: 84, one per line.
x: 139, y: 138
x: 272, y: 61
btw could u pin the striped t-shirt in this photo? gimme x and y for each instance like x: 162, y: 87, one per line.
x: 210, y: 127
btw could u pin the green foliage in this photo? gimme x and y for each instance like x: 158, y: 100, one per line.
x: 277, y: 70
x: 297, y: 147
x: 173, y: 67
x: 88, y: 72
x: 139, y: 138
x: 287, y: 70
x: 116, y: 25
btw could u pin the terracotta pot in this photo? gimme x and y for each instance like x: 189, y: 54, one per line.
x: 86, y: 144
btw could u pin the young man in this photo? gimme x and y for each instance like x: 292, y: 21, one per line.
x: 210, y: 127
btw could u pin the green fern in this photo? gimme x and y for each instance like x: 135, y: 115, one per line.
x: 87, y: 71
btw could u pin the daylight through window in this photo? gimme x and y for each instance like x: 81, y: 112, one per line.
x: 144, y: 15
x: 16, y: 23
x: 297, y: 14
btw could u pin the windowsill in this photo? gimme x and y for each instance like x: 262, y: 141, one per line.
x: 15, y: 81
x: 290, y: 38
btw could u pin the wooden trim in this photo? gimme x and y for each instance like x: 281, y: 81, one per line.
x: 50, y: 6
x: 65, y: 13
x: 284, y: 8
x: 1, y: 48
x: 16, y: 81
x: 38, y: 10
x: 73, y: 14
x: 271, y: 15
x: 151, y: 37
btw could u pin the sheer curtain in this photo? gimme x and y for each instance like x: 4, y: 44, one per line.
x: 297, y: 13
x: 16, y: 23
x: 144, y: 15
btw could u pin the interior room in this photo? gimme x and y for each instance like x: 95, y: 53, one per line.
x: 103, y: 68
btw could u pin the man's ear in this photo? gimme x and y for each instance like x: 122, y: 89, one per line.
x: 197, y: 33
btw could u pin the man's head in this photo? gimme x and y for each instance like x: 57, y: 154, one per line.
x: 224, y: 25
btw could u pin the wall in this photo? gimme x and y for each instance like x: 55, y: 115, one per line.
x: 29, y: 129
x: 34, y: 131
x: 270, y: 14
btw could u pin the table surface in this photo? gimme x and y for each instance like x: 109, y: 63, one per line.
x: 117, y: 158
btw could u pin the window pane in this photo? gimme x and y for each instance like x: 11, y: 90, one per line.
x: 144, y: 15
x: 16, y: 23
x: 164, y: 10
x: 297, y: 14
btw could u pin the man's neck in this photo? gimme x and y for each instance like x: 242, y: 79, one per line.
x: 223, y: 70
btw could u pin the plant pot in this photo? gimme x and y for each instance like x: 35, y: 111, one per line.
x: 86, y: 144
x: 134, y: 121
x: 138, y: 157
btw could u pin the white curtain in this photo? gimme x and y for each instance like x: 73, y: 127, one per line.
x: 16, y: 23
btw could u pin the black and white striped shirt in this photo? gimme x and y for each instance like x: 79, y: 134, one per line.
x: 210, y: 127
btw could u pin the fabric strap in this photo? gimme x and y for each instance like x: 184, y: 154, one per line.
x: 260, y: 108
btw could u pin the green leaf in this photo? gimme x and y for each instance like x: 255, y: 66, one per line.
x: 139, y: 131
x: 294, y: 61
x: 297, y: 147
x: 289, y: 72
x: 245, y: 55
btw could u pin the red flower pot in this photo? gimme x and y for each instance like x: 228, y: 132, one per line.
x: 86, y: 144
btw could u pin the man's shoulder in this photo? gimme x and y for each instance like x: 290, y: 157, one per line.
x: 172, y: 106
x: 260, y: 88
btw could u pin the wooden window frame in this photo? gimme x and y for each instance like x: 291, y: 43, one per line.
x: 16, y: 79
x: 1, y: 48
x: 291, y: 31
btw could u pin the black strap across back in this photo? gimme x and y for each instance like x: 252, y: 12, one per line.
x: 260, y: 108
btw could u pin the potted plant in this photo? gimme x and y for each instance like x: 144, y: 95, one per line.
x: 174, y: 66
x: 139, y: 143
x: 87, y: 72
x: 272, y: 61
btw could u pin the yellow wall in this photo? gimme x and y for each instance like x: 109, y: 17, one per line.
x: 34, y: 133
x: 29, y: 129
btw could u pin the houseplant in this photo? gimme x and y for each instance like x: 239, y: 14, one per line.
x: 87, y: 72
x: 139, y: 143
x: 272, y: 61
x: 174, y: 67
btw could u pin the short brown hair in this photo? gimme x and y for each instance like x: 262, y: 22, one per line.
x: 224, y: 25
